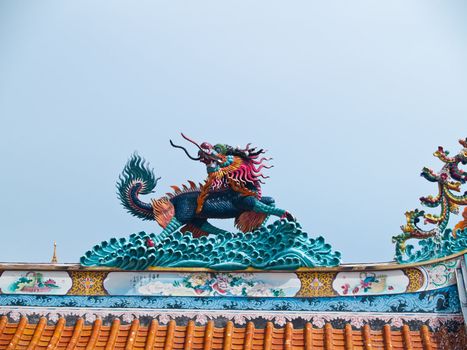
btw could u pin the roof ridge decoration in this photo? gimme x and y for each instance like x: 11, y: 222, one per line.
x: 438, y: 241
x: 232, y: 190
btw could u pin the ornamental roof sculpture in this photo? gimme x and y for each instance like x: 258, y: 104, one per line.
x: 232, y: 190
x: 439, y: 240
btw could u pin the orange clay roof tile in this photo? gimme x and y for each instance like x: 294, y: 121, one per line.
x: 40, y: 336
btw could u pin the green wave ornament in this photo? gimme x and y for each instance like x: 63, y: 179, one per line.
x: 283, y: 245
x: 433, y: 248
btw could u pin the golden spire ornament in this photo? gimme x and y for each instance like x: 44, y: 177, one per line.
x: 54, y: 257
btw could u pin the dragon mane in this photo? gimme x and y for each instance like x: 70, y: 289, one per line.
x: 242, y: 167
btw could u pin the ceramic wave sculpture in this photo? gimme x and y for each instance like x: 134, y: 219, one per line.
x: 282, y: 245
x: 433, y: 247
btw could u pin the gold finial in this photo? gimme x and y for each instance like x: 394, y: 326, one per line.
x: 54, y: 257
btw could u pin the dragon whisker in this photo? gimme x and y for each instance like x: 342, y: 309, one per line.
x: 184, y: 149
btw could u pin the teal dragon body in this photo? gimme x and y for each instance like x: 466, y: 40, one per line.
x: 232, y: 190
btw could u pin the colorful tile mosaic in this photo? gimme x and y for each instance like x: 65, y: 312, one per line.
x: 88, y: 283
x: 416, y: 279
x: 316, y: 284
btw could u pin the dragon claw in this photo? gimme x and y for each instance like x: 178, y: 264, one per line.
x: 288, y: 216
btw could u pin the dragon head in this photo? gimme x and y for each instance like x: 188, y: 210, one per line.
x: 230, y: 164
x: 220, y: 155
x: 211, y: 155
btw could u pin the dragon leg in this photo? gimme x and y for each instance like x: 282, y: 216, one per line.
x: 211, y: 229
x: 201, y: 227
x: 171, y: 227
x: 256, y: 205
x: 260, y: 207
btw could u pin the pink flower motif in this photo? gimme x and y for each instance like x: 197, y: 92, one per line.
x: 164, y: 319
x: 280, y: 320
x: 357, y: 321
x: 202, y: 319
x: 221, y: 285
x: 216, y: 287
x: 239, y: 319
x: 365, y: 284
x: 87, y: 282
x: 90, y: 317
x: 318, y: 322
x: 127, y: 318
x: 53, y: 317
x: 315, y: 284
x: 15, y: 315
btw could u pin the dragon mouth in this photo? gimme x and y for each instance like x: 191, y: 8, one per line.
x: 208, y: 157
x: 205, y: 158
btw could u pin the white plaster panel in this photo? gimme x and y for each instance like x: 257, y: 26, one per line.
x: 35, y: 282
x: 202, y: 284
x: 370, y: 282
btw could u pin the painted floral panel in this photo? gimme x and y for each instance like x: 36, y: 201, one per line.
x: 440, y: 275
x: 35, y: 282
x: 371, y: 282
x: 203, y: 284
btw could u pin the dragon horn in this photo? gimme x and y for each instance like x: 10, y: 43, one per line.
x: 190, y: 140
x: 184, y: 149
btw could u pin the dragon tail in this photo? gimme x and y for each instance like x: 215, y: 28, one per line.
x: 136, y: 179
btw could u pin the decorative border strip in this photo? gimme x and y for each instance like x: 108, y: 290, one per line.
x: 364, y: 281
x: 280, y: 318
x: 444, y: 300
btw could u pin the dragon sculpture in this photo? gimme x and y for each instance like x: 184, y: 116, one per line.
x: 232, y: 190
x: 438, y: 241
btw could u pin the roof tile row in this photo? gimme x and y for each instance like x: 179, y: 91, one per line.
x: 23, y: 335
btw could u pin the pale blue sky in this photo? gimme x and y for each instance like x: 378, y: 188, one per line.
x: 350, y: 98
